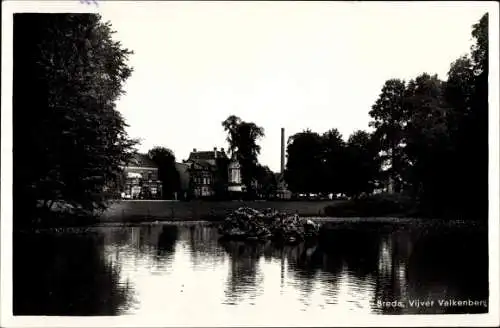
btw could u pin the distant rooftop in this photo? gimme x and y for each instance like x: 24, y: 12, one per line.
x: 206, y: 155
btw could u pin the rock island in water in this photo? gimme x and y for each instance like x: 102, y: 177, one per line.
x: 250, y: 224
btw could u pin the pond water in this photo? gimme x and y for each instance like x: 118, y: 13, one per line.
x: 171, y: 270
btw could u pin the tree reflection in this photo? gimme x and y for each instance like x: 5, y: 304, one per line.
x: 243, y: 269
x: 354, y: 246
x: 302, y: 264
x: 432, y: 263
x: 167, y: 240
x: 203, y: 245
x: 353, y: 250
x: 451, y: 263
x: 302, y: 261
x: 390, y: 278
x: 66, y: 274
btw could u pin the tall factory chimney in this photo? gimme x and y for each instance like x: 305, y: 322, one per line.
x: 282, y: 150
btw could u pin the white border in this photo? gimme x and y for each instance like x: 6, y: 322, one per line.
x: 7, y: 320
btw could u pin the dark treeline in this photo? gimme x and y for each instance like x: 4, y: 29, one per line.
x: 68, y: 73
x: 164, y: 158
x: 69, y: 140
x: 326, y: 164
x: 430, y: 140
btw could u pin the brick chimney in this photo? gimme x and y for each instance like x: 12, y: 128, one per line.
x: 194, y: 150
x: 215, y: 152
x: 282, y: 150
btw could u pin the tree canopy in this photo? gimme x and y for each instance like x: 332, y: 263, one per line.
x: 329, y: 165
x: 436, y: 134
x: 388, y: 114
x: 242, y: 138
x: 304, y: 165
x: 431, y: 135
x: 69, y: 140
x: 167, y: 171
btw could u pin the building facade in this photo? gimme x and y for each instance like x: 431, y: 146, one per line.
x: 205, y: 175
x: 141, y: 179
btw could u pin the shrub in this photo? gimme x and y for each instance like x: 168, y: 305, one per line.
x: 374, y: 205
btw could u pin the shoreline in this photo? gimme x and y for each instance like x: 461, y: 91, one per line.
x: 325, y: 223
x: 140, y: 210
x: 152, y: 212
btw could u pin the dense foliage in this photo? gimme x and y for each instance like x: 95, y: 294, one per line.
x: 69, y: 140
x: 167, y: 172
x: 442, y: 135
x: 327, y: 164
x: 430, y: 141
x: 242, y: 139
x: 267, y: 183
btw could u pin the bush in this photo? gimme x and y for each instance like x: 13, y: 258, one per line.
x: 374, y: 205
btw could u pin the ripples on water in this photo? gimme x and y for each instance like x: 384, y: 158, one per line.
x: 171, y: 269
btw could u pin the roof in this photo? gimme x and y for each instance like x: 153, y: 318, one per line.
x: 200, y: 164
x: 205, y: 155
x: 142, y: 160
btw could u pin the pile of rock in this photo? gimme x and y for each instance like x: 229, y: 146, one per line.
x: 250, y: 224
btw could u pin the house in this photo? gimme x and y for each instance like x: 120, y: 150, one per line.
x: 141, y: 179
x: 205, y: 176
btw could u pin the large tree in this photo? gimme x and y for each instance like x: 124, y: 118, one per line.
x: 69, y: 140
x: 362, y: 167
x: 242, y: 138
x: 305, y: 165
x: 476, y: 149
x: 466, y: 92
x: 389, y: 119
x: 446, y: 135
x: 167, y: 171
x: 266, y: 182
x: 334, y: 162
x: 428, y: 145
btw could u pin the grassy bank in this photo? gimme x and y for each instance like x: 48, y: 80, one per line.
x: 383, y: 205
x: 397, y: 206
x: 134, y: 211
x: 380, y: 208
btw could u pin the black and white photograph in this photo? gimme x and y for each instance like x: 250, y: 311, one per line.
x: 249, y: 163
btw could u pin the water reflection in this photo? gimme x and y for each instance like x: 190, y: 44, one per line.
x: 169, y: 269
x: 449, y: 265
x: 167, y: 240
x: 66, y: 275
x: 244, y: 274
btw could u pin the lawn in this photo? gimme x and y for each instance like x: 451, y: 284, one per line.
x: 144, y: 210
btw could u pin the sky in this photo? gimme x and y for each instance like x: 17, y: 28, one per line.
x: 296, y: 65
